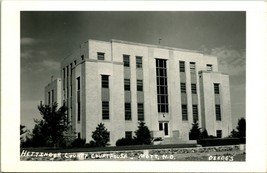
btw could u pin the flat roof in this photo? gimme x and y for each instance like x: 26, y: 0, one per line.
x: 155, y: 46
x: 140, y: 44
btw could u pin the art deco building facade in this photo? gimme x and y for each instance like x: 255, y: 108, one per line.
x: 121, y: 83
x: 53, y: 92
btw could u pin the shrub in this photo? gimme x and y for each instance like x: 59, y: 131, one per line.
x: 100, y: 135
x: 90, y: 144
x: 195, y: 131
x: 143, y: 134
x: 157, y: 139
x: 204, y: 134
x: 219, y: 141
x: 126, y: 141
x: 78, y: 142
x: 241, y: 128
x: 234, y: 134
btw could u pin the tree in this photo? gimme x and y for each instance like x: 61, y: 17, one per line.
x: 22, y: 130
x: 24, y: 133
x: 143, y: 134
x: 234, y: 134
x: 241, y: 128
x: 204, y: 134
x: 49, y: 131
x: 194, y: 133
x: 100, y: 136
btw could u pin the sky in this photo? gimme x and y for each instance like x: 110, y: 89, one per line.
x: 48, y: 37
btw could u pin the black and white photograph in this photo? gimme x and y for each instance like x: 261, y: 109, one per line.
x: 132, y: 86
x: 171, y: 84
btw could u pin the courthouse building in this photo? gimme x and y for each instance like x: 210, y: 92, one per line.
x: 121, y: 83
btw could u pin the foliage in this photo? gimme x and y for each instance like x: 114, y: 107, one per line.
x: 49, y: 131
x: 22, y: 129
x: 126, y: 141
x: 24, y: 135
x: 78, y: 142
x: 204, y: 134
x: 143, y: 134
x: 100, y: 135
x: 194, y: 133
x: 241, y: 128
x: 91, y: 144
x: 218, y: 141
x: 233, y: 134
x: 23, y: 132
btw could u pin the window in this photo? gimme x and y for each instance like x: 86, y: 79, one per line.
x: 139, y: 85
x: 219, y: 133
x: 79, y: 111
x: 194, y: 88
x: 218, y: 112
x: 126, y: 60
x: 82, y: 57
x: 49, y: 98
x: 139, y: 62
x: 127, y: 86
x: 183, y: 88
x: 182, y: 66
x: 184, y: 113
x: 78, y: 99
x: 192, y: 67
x: 100, y: 56
x: 140, y: 111
x: 79, y: 135
x: 64, y: 76
x: 105, y: 110
x: 162, y: 85
x: 209, y: 67
x: 216, y: 88
x: 160, y: 126
x: 67, y: 68
x: 75, y: 62
x: 70, y: 79
x: 78, y: 83
x: 195, y: 112
x: 52, y: 96
x: 105, y: 82
x: 128, y: 134
x: 127, y: 108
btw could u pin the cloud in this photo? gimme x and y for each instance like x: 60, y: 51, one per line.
x: 230, y: 61
x: 32, y: 54
x: 41, y: 66
x: 28, y: 41
x: 33, y: 60
x: 50, y: 64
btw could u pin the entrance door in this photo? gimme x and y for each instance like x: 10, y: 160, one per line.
x: 164, y: 126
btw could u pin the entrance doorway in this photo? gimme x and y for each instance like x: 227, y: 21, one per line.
x: 164, y: 126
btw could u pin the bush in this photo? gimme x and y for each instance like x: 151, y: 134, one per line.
x: 204, y: 134
x: 143, y: 134
x: 157, y: 139
x: 78, y: 142
x: 219, y: 141
x: 91, y: 144
x: 126, y: 141
x: 194, y: 133
x: 241, y: 128
x: 100, y: 135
